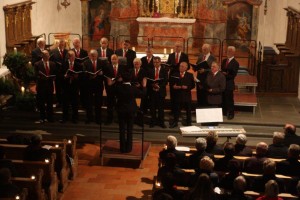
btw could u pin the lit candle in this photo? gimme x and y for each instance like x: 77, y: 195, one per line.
x: 165, y: 51
x: 133, y: 48
x: 17, y: 197
x: 69, y: 141
x: 32, y: 177
x: 15, y: 50
x: 46, y: 161
x: 29, y: 64
x: 56, y: 145
x: 22, y: 89
x: 172, y: 51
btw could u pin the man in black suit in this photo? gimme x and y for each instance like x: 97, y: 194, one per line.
x: 159, y: 79
x: 182, y: 83
x: 36, y: 54
x: 174, y: 60
x: 128, y: 53
x: 58, y: 56
x: 290, y: 166
x: 147, y: 65
x: 215, y: 86
x: 254, y: 164
x: 278, y: 148
x: 230, y: 67
x: 94, y: 71
x: 202, y: 74
x: 113, y: 73
x: 44, y: 86
x: 126, y: 107
x: 70, y: 87
x: 104, y: 52
x: 80, y: 56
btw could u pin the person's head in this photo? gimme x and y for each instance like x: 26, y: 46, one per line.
x: 269, y: 167
x: 205, y: 48
x: 126, y: 76
x: 114, y: 59
x: 178, y: 47
x: 203, y: 188
x: 271, y: 189
x: 156, y: 61
x: 290, y: 129
x: 36, y: 139
x: 230, y: 51
x: 241, y: 139
x: 183, y: 67
x: 171, y: 142
x: 76, y: 43
x: 261, y: 149
x: 104, y: 43
x: 200, y: 144
x: 61, y: 44
x: 5, y: 176
x: 214, y: 67
x: 41, y: 42
x: 45, y: 55
x: 206, y: 164
x: 149, y: 52
x: 294, y: 151
x: 278, y: 137
x: 93, y: 54
x: 234, y: 166
x: 71, y: 55
x: 137, y: 63
x: 212, y: 137
x: 240, y: 184
x: 126, y: 44
x: 229, y: 149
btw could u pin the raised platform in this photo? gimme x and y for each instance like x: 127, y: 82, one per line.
x: 111, y: 149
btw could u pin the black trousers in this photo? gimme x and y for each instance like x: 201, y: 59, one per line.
x: 201, y: 97
x: 45, y: 104
x: 70, y: 97
x: 58, y: 90
x: 110, y: 102
x: 178, y: 106
x: 228, y: 102
x: 126, y: 120
x: 94, y: 99
x: 157, y: 106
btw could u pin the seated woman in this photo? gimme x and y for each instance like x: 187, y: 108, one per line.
x: 271, y: 191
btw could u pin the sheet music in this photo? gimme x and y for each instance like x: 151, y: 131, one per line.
x: 209, y: 115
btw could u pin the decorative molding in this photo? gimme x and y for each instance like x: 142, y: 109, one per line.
x: 166, y: 20
x: 251, y: 2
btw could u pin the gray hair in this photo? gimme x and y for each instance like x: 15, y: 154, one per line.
x: 171, y: 141
x: 278, y: 137
x: 200, y: 144
x: 40, y: 40
x: 232, y: 48
x: 241, y: 139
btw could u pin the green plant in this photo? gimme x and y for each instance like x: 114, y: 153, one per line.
x: 7, y: 86
x: 25, y: 101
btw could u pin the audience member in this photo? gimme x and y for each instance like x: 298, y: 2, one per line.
x: 104, y: 52
x: 271, y: 191
x: 255, y: 163
x: 290, y: 135
x: 222, y: 163
x: 203, y: 189
x: 234, y: 167
x: 290, y: 166
x: 171, y: 144
x: 206, y: 165
x: 127, y: 53
x: 6, y: 163
x: 239, y: 187
x: 277, y: 149
x: 169, y: 188
x: 194, y: 159
x: 34, y: 151
x: 269, y: 170
x: 240, y: 146
x: 212, y: 147
x: 7, y: 189
x: 171, y: 166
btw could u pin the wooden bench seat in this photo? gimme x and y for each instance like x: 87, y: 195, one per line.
x: 245, y: 99
x: 34, y: 186
x: 22, y: 196
x: 49, y: 180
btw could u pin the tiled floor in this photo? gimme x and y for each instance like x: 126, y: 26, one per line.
x: 116, y: 180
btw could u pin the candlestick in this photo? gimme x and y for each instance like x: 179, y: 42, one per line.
x: 172, y: 50
x: 23, y: 89
x: 165, y: 51
x: 15, y: 50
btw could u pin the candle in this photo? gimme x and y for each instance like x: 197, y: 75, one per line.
x: 15, y: 50
x: 172, y: 51
x: 29, y: 64
x: 17, y: 197
x: 22, y: 89
x: 56, y: 145
x: 133, y: 48
x: 165, y: 51
x: 32, y: 177
x: 46, y: 161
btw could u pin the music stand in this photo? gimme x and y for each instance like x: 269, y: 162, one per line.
x: 209, y: 116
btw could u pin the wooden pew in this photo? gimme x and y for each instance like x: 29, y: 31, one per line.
x: 16, y: 152
x: 282, y: 195
x: 22, y: 196
x: 34, y: 186
x: 49, y: 180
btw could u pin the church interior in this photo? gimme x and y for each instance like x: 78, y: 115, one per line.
x: 85, y: 160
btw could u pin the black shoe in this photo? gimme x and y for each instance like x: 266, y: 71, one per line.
x: 62, y: 121
x: 230, y: 117
x: 163, y: 125
x: 173, y: 125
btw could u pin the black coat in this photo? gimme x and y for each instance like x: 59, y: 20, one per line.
x: 109, y: 53
x: 172, y: 61
x: 163, y: 75
x: 97, y: 82
x: 43, y: 83
x: 231, y: 70
x: 218, y: 84
x: 130, y: 55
